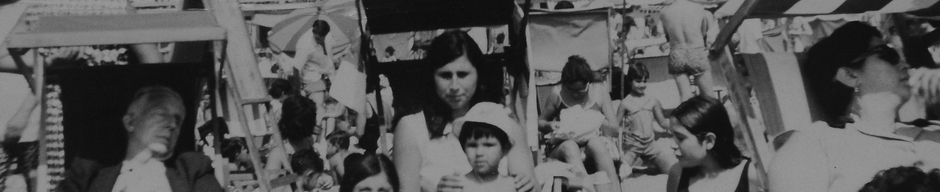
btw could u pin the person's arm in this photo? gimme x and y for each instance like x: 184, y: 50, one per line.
x: 621, y: 112
x: 20, y: 119
x: 148, y: 53
x: 199, y: 168
x: 710, y: 30
x: 661, y: 118
x: 547, y: 114
x: 520, y: 163
x: 800, y: 165
x: 406, y: 157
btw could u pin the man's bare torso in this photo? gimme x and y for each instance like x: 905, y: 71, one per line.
x: 684, y: 22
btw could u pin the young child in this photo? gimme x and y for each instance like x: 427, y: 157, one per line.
x: 336, y: 151
x: 309, y: 167
x: 639, y: 112
x: 485, y: 145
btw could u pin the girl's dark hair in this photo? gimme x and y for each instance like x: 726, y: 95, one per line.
x: 280, y: 87
x: 361, y: 166
x: 298, y: 118
x: 577, y: 70
x: 304, y: 160
x: 444, y: 49
x: 477, y: 130
x: 636, y: 72
x: 825, y: 58
x: 701, y: 115
x: 910, y: 179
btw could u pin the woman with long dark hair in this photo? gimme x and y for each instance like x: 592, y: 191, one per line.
x: 708, y: 158
x: 860, y: 84
x: 426, y: 152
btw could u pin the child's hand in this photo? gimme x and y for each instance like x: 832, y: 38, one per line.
x: 524, y: 182
x: 450, y: 183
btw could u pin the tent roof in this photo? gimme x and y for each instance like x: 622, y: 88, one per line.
x: 392, y: 16
x: 118, y: 29
x: 771, y: 8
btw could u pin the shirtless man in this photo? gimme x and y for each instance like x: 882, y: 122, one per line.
x: 686, y: 25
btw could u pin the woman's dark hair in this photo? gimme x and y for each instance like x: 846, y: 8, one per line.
x: 577, y: 70
x: 389, y: 50
x: 909, y: 179
x: 444, y: 49
x: 339, y: 138
x: 361, y: 166
x: 304, y: 160
x: 825, y: 58
x: 298, y: 118
x: 280, y: 87
x: 636, y: 72
x: 701, y: 115
x: 477, y: 130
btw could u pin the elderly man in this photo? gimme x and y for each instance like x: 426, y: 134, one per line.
x: 153, y: 123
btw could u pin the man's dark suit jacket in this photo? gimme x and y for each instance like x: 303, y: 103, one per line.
x: 190, y: 171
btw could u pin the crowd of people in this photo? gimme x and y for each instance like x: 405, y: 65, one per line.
x: 461, y: 137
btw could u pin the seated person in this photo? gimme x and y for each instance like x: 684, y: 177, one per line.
x: 309, y: 168
x: 485, y: 142
x: 336, y: 151
x: 910, y: 179
x: 577, y: 90
x: 297, y: 125
x: 153, y: 123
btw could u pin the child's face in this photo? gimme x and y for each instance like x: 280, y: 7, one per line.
x: 639, y: 86
x: 376, y: 183
x: 484, y: 154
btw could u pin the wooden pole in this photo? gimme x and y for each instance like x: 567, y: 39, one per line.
x: 728, y: 29
x: 241, y: 55
x: 740, y: 97
x: 249, y: 140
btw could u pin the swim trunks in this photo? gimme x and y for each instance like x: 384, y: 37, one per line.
x: 691, y: 61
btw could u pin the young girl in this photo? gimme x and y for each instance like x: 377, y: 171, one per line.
x: 639, y: 112
x: 708, y: 158
x: 369, y: 173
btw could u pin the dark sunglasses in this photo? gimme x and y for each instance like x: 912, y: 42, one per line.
x: 884, y: 52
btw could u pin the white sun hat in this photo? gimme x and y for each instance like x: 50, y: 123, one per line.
x: 489, y: 113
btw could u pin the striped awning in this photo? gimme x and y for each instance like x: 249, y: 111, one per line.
x: 769, y: 8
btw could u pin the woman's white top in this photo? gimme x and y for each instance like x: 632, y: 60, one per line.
x: 439, y: 156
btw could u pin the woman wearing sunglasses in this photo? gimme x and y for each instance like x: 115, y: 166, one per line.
x: 860, y: 84
x: 576, y: 89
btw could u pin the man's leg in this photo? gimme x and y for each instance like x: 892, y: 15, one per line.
x: 685, y: 87
x: 705, y: 84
